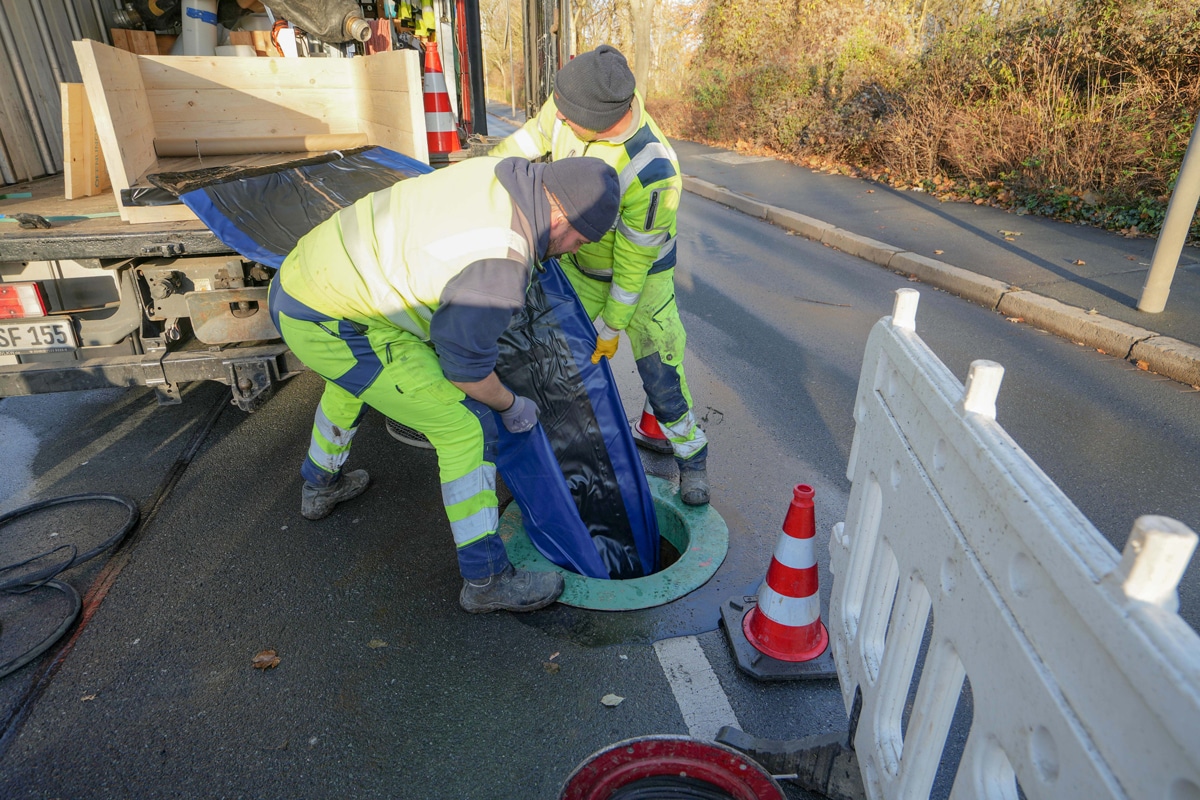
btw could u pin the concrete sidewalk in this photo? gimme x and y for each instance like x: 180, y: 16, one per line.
x: 1076, y: 281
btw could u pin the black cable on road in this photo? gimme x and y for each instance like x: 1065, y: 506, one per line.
x: 73, y: 598
x: 45, y: 573
x: 104, y: 581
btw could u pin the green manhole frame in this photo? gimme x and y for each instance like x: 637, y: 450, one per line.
x: 697, y: 532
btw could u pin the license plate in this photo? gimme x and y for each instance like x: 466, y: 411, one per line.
x: 43, y: 335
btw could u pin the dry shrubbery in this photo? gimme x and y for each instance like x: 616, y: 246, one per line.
x: 1083, y: 113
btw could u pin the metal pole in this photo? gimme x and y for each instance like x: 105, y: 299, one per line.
x: 475, y: 67
x: 73, y: 20
x: 512, y: 67
x: 39, y: 18
x: 8, y: 173
x: 105, y: 36
x: 1175, y: 228
x: 18, y: 71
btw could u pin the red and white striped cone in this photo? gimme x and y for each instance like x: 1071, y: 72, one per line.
x: 786, y: 623
x: 780, y: 636
x: 440, y: 128
x: 648, y: 434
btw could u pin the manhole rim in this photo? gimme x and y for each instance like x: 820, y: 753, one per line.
x: 708, y: 545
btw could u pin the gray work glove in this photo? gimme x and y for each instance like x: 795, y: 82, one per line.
x: 521, y: 416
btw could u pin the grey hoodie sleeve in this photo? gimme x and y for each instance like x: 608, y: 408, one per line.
x: 476, y: 307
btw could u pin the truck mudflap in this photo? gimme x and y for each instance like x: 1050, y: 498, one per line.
x: 251, y: 372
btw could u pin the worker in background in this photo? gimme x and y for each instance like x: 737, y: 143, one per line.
x: 626, y: 280
x: 398, y: 301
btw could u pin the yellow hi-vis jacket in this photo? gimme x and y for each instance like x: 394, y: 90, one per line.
x: 453, y: 243
x: 643, y: 241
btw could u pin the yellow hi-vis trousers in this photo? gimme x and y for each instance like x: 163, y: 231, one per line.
x: 399, y: 375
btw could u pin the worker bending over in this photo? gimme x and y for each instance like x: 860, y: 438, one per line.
x: 398, y: 301
x: 626, y: 280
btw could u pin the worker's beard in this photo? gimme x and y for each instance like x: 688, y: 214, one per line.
x: 558, y: 244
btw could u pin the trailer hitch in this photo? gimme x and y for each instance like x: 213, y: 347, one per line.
x: 252, y: 381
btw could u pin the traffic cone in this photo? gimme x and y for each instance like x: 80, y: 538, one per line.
x: 779, y: 635
x: 441, y: 131
x: 648, y: 434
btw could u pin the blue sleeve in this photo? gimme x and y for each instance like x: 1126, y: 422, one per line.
x: 476, y: 306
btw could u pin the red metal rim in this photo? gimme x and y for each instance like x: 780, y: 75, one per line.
x: 623, y: 763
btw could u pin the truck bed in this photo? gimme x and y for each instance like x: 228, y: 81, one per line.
x: 90, y: 227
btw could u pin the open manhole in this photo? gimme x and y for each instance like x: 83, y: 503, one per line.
x: 696, y: 533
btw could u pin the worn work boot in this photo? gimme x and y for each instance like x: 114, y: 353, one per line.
x: 511, y: 590
x: 317, y: 502
x: 693, y: 486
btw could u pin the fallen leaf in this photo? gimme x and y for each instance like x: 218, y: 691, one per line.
x: 266, y: 659
x: 870, y: 191
x: 1143, y: 365
x: 1014, y: 319
x: 375, y: 644
x: 551, y: 668
x: 913, y: 279
x: 1093, y: 311
x: 1079, y: 262
x: 1131, y: 258
x: 938, y: 252
x: 1009, y: 233
x: 1009, y: 239
x: 612, y: 700
x: 87, y: 698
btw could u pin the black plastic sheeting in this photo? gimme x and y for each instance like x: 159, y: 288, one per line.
x: 262, y: 212
x: 546, y: 355
x: 580, y: 482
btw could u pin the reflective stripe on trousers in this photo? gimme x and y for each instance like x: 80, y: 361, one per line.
x: 407, y: 386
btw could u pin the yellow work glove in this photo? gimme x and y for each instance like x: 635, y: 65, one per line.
x: 606, y: 342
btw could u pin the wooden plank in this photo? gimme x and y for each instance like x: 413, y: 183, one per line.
x: 140, y: 215
x: 390, y: 102
x: 399, y: 140
x: 189, y: 72
x: 122, y: 117
x: 139, y: 42
x: 85, y: 173
x: 207, y: 113
x: 249, y: 145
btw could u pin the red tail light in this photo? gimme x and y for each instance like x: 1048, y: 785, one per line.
x: 19, y: 300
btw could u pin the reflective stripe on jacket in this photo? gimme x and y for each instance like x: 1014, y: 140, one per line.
x: 643, y: 240
x: 389, y: 256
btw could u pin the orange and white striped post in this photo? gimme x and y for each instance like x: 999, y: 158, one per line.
x: 780, y: 635
x: 441, y: 130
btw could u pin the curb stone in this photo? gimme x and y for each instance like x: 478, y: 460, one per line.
x: 1163, y: 355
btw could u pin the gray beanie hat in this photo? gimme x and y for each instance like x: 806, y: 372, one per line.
x: 595, y: 89
x: 588, y: 191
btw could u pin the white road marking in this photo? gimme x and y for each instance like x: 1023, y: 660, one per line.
x: 699, y: 694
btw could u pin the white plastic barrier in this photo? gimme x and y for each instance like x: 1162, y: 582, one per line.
x: 1084, y: 681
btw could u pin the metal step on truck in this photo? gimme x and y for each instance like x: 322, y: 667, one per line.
x: 123, y: 287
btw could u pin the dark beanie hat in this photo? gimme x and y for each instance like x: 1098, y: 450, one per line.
x: 588, y: 191
x: 595, y: 89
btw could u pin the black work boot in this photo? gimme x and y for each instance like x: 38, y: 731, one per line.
x: 317, y: 502
x: 511, y: 590
x: 693, y: 486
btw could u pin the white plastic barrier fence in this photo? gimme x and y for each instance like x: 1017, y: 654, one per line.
x: 1084, y: 682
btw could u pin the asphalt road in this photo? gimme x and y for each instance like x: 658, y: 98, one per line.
x: 385, y: 688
